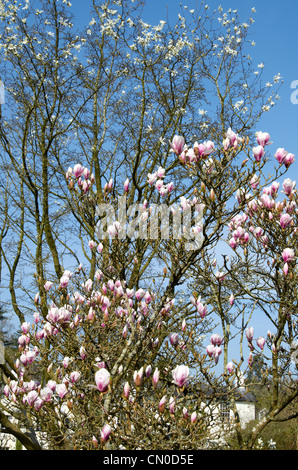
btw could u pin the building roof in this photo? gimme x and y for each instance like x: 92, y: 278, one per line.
x: 241, y: 394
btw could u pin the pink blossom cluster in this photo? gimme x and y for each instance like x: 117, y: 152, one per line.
x: 36, y: 396
x: 193, y: 154
x: 263, y: 139
x: 231, y: 140
x: 180, y: 378
x: 157, y: 178
x: 213, y: 349
x: 260, y: 341
x: 129, y: 305
x: 81, y: 176
x: 266, y: 207
x: 239, y: 235
x: 284, y: 158
x: 200, y: 306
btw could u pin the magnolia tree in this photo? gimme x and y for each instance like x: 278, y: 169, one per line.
x: 117, y: 291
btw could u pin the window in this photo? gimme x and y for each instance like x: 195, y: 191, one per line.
x: 225, y: 411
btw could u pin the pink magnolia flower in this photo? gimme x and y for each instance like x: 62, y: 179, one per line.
x: 92, y: 244
x: 170, y: 187
x: 193, y: 417
x: 52, y: 385
x: 147, y: 297
x: 230, y: 367
x: 23, y: 341
x: 172, y: 405
x: 289, y: 159
x: 61, y: 390
x: 180, y: 375
x: 201, y: 308
x: 249, y: 333
x: 152, y: 177
x: 232, y: 136
x: 261, y: 342
x: 174, y: 339
x: 48, y: 285
x: 86, y: 186
x: 274, y: 188
x: 126, y: 390
x: 126, y: 185
x: 36, y: 316
x: 155, y: 378
x: 64, y: 281
x: 258, y: 232
x: 220, y: 276
x: 288, y: 186
x: 102, y: 379
x: 163, y: 191
x: 83, y: 353
x: 86, y: 173
x: 233, y: 244
x: 25, y: 327
x: 216, y: 353
x: 46, y: 394
x: 258, y: 152
x: 285, y: 220
x: 226, y: 143
x: 75, y: 376
x: 65, y: 362
x: 161, y: 172
x: 210, y: 349
x: 88, y: 285
x: 137, y: 376
x: 288, y: 255
x: 177, y: 144
x: 267, y: 201
x: 139, y: 294
x: 105, y: 432
x: 78, y: 170
x: 280, y: 155
x: 31, y: 397
x: 203, y: 150
x: 159, y: 184
x: 162, y: 404
x: 254, y: 182
x: 216, y: 339
x: 286, y: 269
x: 263, y: 138
x: 94, y: 442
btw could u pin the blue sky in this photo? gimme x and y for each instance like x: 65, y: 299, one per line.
x: 276, y: 37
